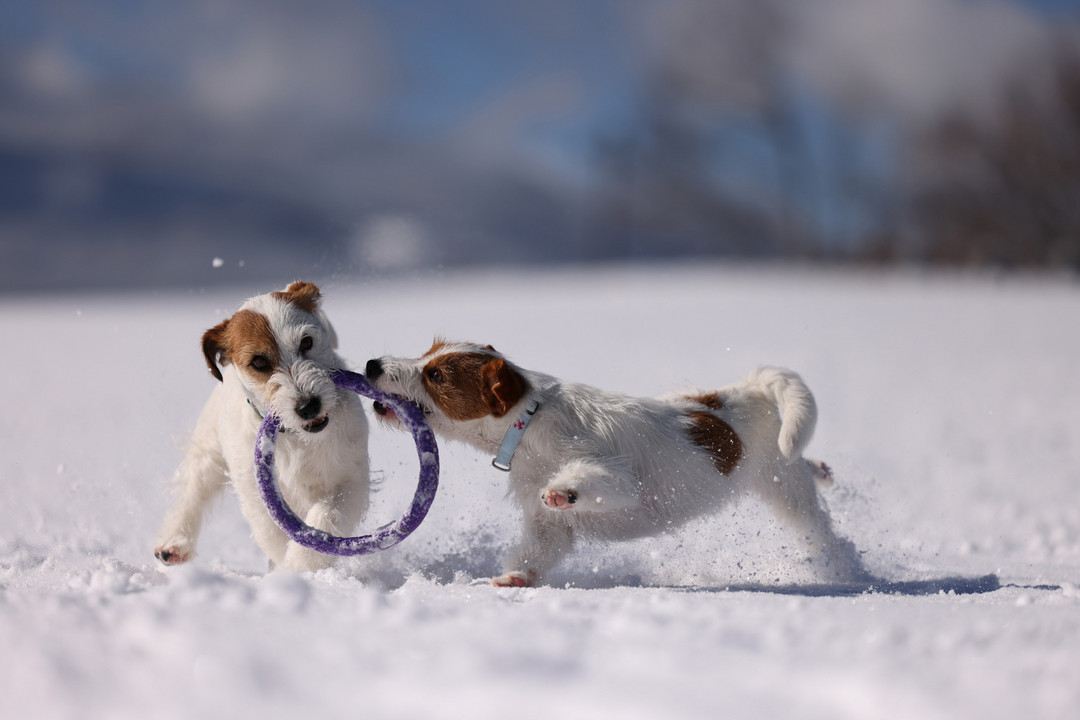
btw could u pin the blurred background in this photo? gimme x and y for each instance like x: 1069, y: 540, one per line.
x: 177, y: 144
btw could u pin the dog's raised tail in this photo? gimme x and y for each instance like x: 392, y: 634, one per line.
x: 798, y: 411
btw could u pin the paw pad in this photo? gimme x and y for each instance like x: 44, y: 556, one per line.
x: 559, y: 499
x: 170, y: 555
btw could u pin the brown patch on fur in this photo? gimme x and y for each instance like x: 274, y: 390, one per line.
x: 468, y: 386
x: 710, y: 400
x: 436, y: 346
x: 239, y: 340
x: 440, y: 343
x: 303, y: 295
x: 717, y: 438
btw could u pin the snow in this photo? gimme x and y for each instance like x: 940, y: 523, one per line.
x: 950, y: 413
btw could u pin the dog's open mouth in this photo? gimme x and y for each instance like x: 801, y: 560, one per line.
x: 384, y: 411
x: 387, y: 413
x: 318, y: 425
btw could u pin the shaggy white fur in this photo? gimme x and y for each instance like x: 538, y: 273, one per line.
x: 275, y: 354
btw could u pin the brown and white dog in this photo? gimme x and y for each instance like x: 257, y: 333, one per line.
x: 585, y: 463
x: 276, y: 354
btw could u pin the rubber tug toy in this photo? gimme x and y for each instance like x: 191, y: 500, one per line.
x: 388, y: 535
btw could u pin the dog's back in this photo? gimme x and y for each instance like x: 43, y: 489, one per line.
x: 771, y: 409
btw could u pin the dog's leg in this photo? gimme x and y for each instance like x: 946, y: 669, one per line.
x: 271, y: 539
x: 583, y: 485
x: 199, y: 480
x: 822, y: 473
x: 791, y: 494
x: 322, y: 516
x: 337, y: 515
x: 546, y: 539
x: 336, y: 510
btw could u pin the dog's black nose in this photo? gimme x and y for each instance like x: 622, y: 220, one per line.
x: 308, y: 409
x: 373, y: 369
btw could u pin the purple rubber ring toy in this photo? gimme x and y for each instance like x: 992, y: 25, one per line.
x: 386, y: 536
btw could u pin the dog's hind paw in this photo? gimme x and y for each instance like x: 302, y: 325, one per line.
x: 823, y: 474
x: 172, y: 555
x: 559, y: 499
x: 516, y: 578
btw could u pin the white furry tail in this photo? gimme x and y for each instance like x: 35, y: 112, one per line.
x: 798, y: 411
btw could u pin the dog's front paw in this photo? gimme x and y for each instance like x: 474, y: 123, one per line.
x: 301, y: 559
x: 517, y: 578
x: 559, y: 499
x: 173, y: 554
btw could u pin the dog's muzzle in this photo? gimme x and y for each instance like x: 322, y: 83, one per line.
x: 309, y: 410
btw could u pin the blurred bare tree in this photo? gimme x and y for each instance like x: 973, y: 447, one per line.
x: 984, y: 150
x: 1006, y: 193
x: 713, y: 74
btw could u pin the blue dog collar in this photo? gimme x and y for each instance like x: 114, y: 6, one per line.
x: 513, y: 437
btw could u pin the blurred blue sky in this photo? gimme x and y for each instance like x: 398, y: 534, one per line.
x: 140, y: 141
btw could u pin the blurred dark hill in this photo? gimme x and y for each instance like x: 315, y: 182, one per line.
x: 190, y: 144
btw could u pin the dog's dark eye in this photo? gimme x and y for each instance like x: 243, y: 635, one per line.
x: 434, y: 375
x: 260, y: 363
x: 305, y: 343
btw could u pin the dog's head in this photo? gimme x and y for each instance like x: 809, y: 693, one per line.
x: 282, y: 349
x: 451, y: 383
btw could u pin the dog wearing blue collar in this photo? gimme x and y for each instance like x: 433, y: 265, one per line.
x: 586, y: 463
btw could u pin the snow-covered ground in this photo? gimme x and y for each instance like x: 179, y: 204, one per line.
x: 950, y: 411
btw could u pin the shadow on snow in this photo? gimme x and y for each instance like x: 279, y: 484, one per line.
x: 911, y: 588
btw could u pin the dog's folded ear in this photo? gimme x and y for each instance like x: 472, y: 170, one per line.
x: 303, y: 295
x: 214, y: 348
x: 503, y: 386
